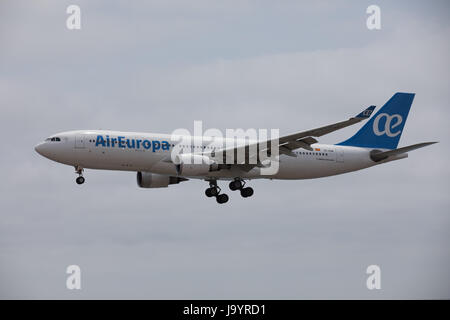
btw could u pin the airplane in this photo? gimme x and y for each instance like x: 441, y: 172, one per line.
x: 298, y: 155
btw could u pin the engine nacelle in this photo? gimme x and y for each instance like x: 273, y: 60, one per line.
x: 194, y: 164
x: 154, y: 180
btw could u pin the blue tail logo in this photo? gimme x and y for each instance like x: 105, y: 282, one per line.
x: 385, y: 128
x: 388, y: 126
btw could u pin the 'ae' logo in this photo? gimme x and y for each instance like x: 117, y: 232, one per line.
x: 389, y: 125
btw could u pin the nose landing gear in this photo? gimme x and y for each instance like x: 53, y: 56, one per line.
x: 238, y: 184
x: 80, y: 179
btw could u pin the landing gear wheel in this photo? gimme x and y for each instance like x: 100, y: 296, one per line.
x: 246, y: 192
x: 235, y: 185
x: 214, y: 191
x: 80, y: 180
x: 222, y: 198
x: 211, y: 192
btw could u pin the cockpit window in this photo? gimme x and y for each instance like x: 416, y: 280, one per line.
x: 53, y: 139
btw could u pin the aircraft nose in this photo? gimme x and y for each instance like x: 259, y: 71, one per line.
x: 38, y: 148
x: 42, y: 149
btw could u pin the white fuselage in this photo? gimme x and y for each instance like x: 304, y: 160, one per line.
x: 148, y: 152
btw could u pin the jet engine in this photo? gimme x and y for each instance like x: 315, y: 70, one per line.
x: 154, y: 180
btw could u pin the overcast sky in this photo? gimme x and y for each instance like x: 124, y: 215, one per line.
x: 156, y: 66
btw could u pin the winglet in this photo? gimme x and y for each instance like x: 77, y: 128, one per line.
x: 366, y: 113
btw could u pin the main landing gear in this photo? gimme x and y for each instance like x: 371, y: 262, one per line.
x: 80, y: 179
x: 214, y: 191
x: 238, y: 184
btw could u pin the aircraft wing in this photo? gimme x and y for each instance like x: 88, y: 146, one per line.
x: 290, y: 142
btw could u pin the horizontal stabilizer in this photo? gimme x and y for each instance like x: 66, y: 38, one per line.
x: 377, y: 155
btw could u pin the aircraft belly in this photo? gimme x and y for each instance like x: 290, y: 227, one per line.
x: 117, y: 159
x: 307, y: 169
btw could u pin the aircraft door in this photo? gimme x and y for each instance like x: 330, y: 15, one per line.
x: 339, y: 154
x: 79, y: 142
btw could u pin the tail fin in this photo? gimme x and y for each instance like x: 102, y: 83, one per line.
x: 386, y: 126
